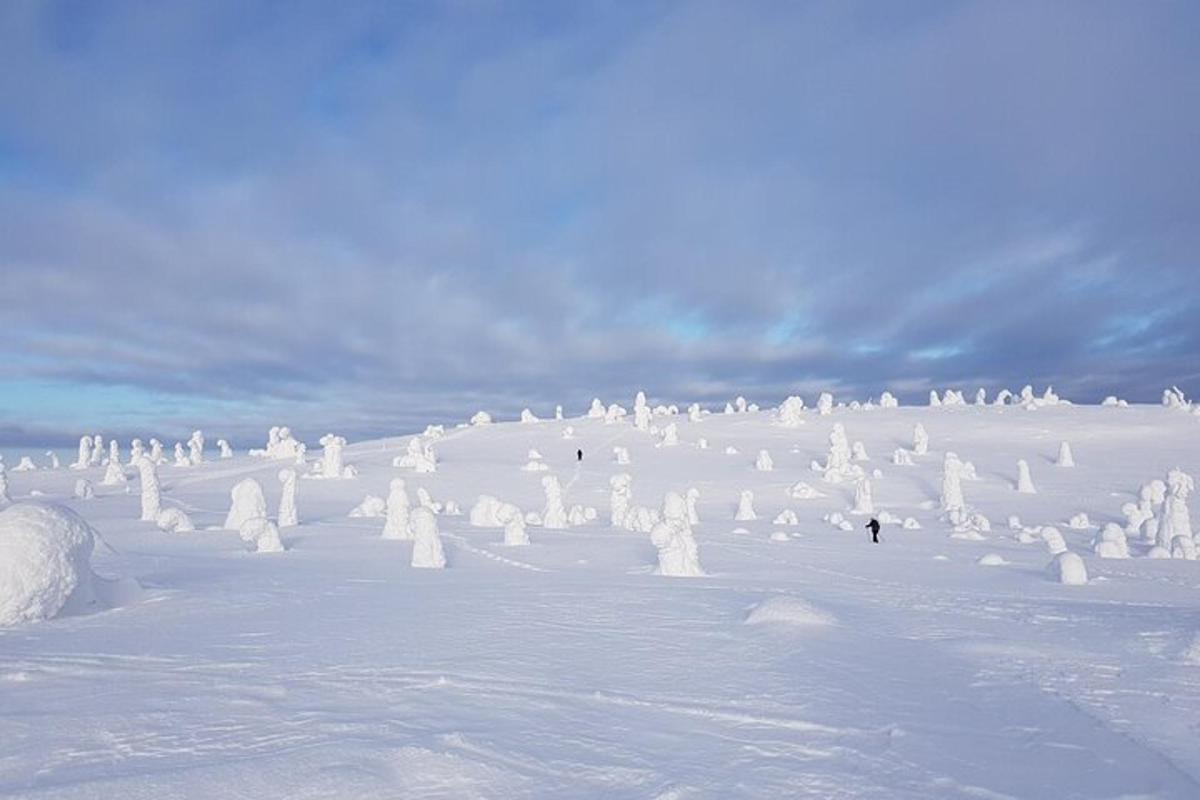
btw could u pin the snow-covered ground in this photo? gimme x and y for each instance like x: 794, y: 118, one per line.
x: 811, y: 664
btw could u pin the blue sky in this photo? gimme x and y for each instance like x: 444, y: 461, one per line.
x: 365, y: 216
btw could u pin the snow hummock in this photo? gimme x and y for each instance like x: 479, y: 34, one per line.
x: 45, y: 562
x: 1111, y: 543
x: 263, y: 534
x: 481, y: 418
x: 1065, y: 457
x: 764, y: 463
x: 1053, y: 539
x: 371, y: 507
x: 174, y: 520
x: 788, y: 610
x: 1079, y: 521
x: 84, y: 489
x: 1067, y: 568
x: 803, y: 491
x: 486, y: 512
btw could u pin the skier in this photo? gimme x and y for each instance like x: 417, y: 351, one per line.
x: 579, y: 455
x: 873, y: 525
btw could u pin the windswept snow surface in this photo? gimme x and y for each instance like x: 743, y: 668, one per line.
x: 567, y: 668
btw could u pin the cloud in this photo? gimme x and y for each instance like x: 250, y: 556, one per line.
x: 382, y: 215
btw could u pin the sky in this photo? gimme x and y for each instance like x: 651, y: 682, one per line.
x: 363, y: 217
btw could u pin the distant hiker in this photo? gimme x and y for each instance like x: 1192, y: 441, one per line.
x: 579, y: 455
x: 873, y: 525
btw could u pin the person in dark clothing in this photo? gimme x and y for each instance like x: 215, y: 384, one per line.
x: 579, y: 455
x: 873, y: 525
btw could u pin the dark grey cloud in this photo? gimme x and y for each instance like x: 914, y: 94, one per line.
x: 377, y: 215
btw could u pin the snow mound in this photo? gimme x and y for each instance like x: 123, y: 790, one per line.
x: 1068, y: 568
x: 371, y: 506
x: 992, y: 560
x: 174, y: 520
x: 803, y: 491
x: 784, y: 610
x: 263, y: 534
x: 1079, y: 522
x: 45, y: 555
